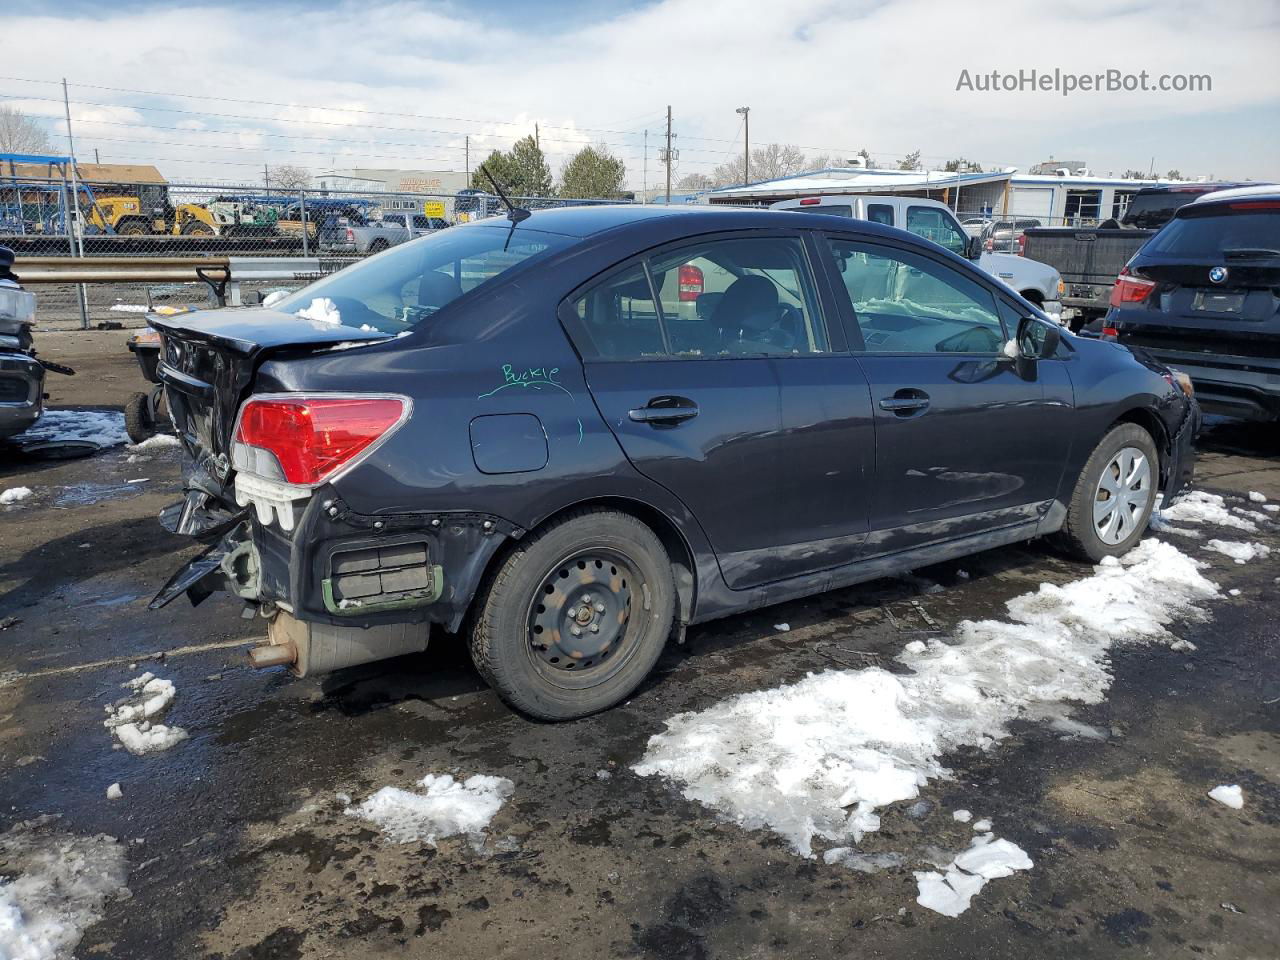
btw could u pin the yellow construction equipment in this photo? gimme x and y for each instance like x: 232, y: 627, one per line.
x: 126, y: 216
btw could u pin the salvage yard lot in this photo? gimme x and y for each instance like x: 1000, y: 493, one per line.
x: 270, y: 831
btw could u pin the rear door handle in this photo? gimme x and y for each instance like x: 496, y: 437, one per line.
x: 665, y: 410
x: 905, y: 401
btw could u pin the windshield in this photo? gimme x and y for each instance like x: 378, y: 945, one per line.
x: 396, y: 290
x: 1239, y: 233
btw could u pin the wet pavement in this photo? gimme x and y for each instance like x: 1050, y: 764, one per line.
x: 239, y: 846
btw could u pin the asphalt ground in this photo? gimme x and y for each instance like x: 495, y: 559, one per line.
x: 239, y: 846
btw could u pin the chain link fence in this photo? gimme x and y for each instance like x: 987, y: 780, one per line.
x: 54, y: 218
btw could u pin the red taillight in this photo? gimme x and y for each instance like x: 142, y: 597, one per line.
x: 810, y: 201
x: 1022, y: 244
x: 990, y: 245
x: 1130, y: 289
x: 1255, y: 205
x: 312, y: 437
x: 1110, y: 333
x: 351, y: 235
x: 689, y: 278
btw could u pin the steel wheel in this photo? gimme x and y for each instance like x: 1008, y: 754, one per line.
x: 1124, y: 491
x: 581, y: 628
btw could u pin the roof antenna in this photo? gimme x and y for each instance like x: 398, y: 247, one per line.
x: 514, y: 214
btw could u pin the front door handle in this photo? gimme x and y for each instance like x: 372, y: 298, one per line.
x: 665, y: 410
x: 906, y: 402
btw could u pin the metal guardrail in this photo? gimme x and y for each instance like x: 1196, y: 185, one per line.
x: 224, y: 275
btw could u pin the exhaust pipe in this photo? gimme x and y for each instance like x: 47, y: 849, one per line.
x: 314, y: 648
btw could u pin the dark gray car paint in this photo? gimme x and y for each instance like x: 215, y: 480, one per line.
x: 773, y: 491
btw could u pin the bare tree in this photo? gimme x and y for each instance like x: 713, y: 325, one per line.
x: 288, y: 176
x: 819, y: 161
x: 769, y: 162
x: 911, y: 161
x: 694, y: 182
x: 20, y: 133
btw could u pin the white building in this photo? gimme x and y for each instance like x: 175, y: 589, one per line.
x: 1054, y: 200
x: 438, y: 184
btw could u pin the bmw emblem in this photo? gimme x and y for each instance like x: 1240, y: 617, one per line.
x: 1218, y: 274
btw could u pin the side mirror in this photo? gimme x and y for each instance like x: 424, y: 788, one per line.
x: 1036, y: 339
x: 973, y: 248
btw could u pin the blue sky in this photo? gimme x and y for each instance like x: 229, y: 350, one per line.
x: 831, y: 77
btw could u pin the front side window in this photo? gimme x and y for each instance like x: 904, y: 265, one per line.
x: 880, y: 213
x: 398, y: 290
x: 933, y: 224
x: 907, y: 303
x: 719, y: 298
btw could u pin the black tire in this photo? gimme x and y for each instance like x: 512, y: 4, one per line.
x: 378, y: 245
x: 617, y: 564
x: 139, y: 424
x: 1079, y: 535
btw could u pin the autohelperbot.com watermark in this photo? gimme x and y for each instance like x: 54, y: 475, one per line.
x: 1065, y: 83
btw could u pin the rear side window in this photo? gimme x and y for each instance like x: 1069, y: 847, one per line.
x: 932, y: 224
x: 880, y: 213
x: 720, y: 298
x: 1232, y: 234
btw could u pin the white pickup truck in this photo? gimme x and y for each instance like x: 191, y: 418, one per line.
x: 1035, y: 281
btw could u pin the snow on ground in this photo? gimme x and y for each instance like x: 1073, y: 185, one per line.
x: 1228, y: 795
x: 103, y: 427
x: 275, y: 296
x: 986, y: 859
x: 114, y: 792
x: 1198, y: 506
x: 134, y: 719
x: 982, y: 826
x: 1257, y: 497
x: 321, y: 310
x: 1239, y: 551
x: 130, y: 308
x: 961, y: 816
x: 863, y: 862
x: 818, y: 757
x: 14, y: 495
x: 161, y: 441
x: 443, y: 807
x: 59, y: 883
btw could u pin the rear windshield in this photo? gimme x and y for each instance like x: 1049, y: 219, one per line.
x: 1151, y: 211
x: 1240, y: 233
x: 395, y: 291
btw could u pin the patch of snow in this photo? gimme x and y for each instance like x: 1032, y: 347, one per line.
x: 14, y: 495
x: 129, y: 308
x: 782, y: 627
x: 1234, y: 592
x: 982, y: 826
x: 274, y: 297
x: 443, y: 808
x: 819, y: 756
x: 950, y: 891
x: 1239, y: 551
x: 103, y: 427
x: 1256, y: 497
x: 1229, y: 796
x: 604, y: 775
x: 1271, y: 507
x: 321, y: 310
x: 114, y: 792
x: 963, y: 816
x: 132, y: 719
x: 1199, y: 506
x: 1182, y: 646
x: 160, y: 441
x: 60, y: 883
x: 862, y: 862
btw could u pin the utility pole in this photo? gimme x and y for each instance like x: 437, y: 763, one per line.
x: 537, y: 141
x: 266, y: 179
x: 467, y: 148
x: 77, y: 233
x: 746, y: 143
x: 95, y: 156
x: 666, y: 155
x: 644, y: 176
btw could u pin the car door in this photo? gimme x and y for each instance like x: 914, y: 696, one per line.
x: 966, y: 440
x: 684, y: 354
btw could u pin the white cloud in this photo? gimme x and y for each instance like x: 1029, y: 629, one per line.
x: 833, y: 77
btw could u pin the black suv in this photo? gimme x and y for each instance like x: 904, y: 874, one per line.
x: 1203, y: 295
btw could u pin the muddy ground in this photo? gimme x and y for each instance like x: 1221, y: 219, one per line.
x: 239, y: 847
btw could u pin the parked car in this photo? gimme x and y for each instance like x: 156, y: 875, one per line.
x: 1090, y: 259
x: 1037, y: 282
x: 352, y: 234
x: 502, y: 429
x: 974, y: 226
x: 1005, y: 236
x: 21, y: 374
x: 1201, y: 294
x: 421, y: 223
